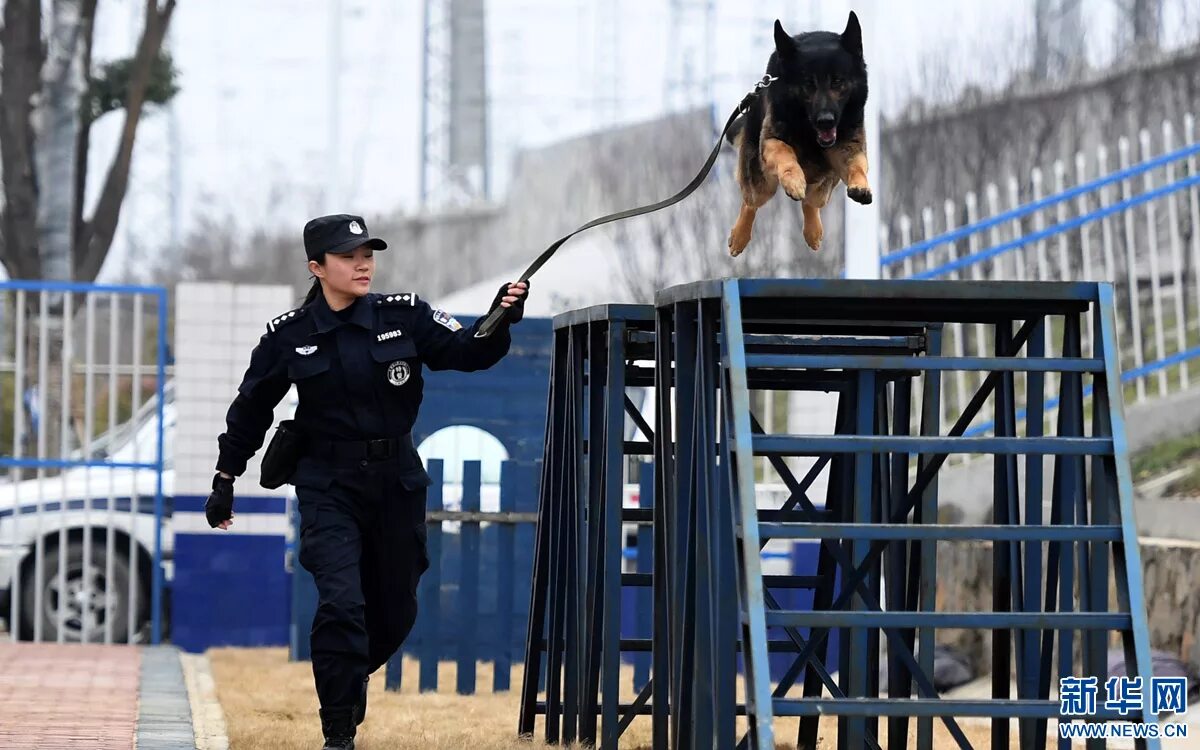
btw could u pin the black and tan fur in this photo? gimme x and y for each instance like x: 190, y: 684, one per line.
x: 805, y: 131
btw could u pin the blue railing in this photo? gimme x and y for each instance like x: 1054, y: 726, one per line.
x: 1066, y: 226
x: 159, y: 294
x: 1033, y: 207
x: 1142, y: 237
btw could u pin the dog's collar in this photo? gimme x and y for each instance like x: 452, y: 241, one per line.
x: 766, y: 81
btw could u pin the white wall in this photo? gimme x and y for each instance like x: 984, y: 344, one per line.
x: 217, y: 325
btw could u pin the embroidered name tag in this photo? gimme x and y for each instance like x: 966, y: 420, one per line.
x: 389, y: 335
x: 443, y: 318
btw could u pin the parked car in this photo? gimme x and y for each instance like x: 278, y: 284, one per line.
x: 81, y: 518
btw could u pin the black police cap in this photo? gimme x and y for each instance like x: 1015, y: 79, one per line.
x: 338, y: 233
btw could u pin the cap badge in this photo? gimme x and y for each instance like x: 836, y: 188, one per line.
x: 355, y: 228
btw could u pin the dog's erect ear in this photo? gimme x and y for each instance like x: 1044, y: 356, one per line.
x: 852, y: 36
x: 783, y: 41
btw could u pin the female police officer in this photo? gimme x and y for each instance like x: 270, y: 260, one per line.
x: 356, y: 361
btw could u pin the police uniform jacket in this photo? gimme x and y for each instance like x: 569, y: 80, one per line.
x: 357, y: 371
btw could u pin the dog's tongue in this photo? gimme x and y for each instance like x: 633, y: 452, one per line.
x: 828, y: 135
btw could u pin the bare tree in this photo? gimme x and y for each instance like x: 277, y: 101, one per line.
x: 50, y: 97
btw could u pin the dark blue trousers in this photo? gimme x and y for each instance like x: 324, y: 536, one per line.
x: 362, y: 537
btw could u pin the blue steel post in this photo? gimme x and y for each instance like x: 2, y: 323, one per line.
x: 898, y: 585
x: 703, y: 507
x: 1102, y: 514
x: 931, y: 414
x: 750, y: 582
x: 430, y: 588
x: 156, y: 585
x: 860, y: 660
x: 1068, y: 499
x: 723, y: 553
x: 1027, y: 688
x: 1131, y: 595
x: 613, y: 420
x: 510, y: 484
x: 1072, y: 397
x: 664, y: 488
x: 681, y: 556
x: 537, y: 635
x: 592, y: 524
x: 1004, y: 484
x: 468, y: 599
x: 574, y: 488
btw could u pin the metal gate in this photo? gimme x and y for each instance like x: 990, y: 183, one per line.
x: 83, y: 405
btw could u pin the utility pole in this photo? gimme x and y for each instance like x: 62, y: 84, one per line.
x: 691, y: 49
x: 331, y: 193
x: 607, y: 62
x: 454, y: 104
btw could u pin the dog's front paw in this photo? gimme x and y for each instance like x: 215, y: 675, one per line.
x: 813, y: 235
x: 859, y: 193
x: 794, y: 184
x: 738, y: 241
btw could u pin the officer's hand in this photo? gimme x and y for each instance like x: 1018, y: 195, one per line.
x: 512, y: 298
x: 219, y: 508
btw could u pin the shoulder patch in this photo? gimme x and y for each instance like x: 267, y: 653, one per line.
x: 443, y: 318
x: 403, y: 299
x: 287, y: 317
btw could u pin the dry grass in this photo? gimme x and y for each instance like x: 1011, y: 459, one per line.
x: 270, y: 704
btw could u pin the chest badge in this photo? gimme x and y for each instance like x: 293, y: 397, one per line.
x: 304, y: 351
x: 398, y: 372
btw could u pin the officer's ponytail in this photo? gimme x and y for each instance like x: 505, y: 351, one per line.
x: 315, y: 289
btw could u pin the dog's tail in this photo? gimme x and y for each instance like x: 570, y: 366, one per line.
x: 735, y: 130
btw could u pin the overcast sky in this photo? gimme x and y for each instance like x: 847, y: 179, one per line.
x: 248, y: 142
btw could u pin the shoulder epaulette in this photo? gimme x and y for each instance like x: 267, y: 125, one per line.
x: 287, y: 317
x: 403, y: 299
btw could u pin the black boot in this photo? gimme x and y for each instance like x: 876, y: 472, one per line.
x: 337, y: 724
x: 360, y: 711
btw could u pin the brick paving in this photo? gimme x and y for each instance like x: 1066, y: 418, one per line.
x: 56, y: 696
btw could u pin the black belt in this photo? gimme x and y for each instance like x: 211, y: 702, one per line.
x: 362, y: 450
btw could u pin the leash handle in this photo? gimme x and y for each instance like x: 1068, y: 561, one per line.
x: 493, y: 319
x: 496, y: 315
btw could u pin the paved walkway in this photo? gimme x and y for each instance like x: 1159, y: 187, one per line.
x: 100, y: 697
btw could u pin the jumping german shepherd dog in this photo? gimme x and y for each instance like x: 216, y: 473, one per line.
x: 805, y: 130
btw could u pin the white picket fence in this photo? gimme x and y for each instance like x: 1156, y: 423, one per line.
x: 1135, y: 223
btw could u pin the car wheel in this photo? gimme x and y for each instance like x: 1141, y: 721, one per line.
x: 86, y: 597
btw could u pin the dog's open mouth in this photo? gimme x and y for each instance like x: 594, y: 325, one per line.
x: 826, y: 137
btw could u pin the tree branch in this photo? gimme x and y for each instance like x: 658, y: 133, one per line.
x: 96, y: 236
x: 83, y: 142
x: 22, y: 58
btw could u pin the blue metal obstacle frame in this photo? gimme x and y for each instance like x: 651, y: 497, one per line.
x: 876, y: 345
x: 575, y: 610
